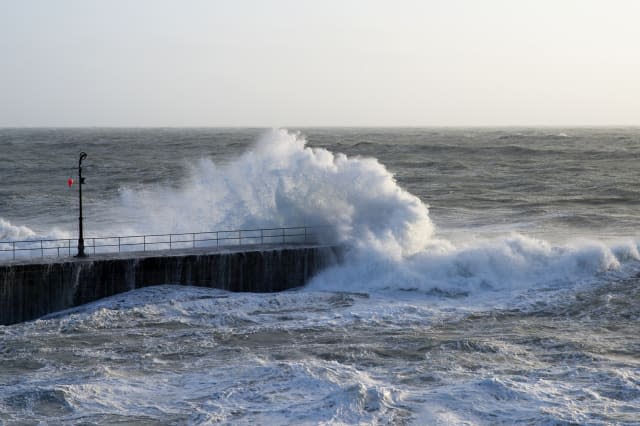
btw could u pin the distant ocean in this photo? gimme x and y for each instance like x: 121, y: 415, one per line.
x: 492, y: 277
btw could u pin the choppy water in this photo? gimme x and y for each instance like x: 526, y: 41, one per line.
x: 512, y: 298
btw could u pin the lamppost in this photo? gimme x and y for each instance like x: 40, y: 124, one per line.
x: 81, y: 253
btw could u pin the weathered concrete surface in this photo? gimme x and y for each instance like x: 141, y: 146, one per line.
x: 35, y: 288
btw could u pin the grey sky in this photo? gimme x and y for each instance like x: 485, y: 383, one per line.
x: 319, y: 63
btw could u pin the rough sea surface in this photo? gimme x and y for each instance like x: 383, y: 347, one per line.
x: 493, y: 277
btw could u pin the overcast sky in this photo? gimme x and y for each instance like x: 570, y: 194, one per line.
x: 319, y: 63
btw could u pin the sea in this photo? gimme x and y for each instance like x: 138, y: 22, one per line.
x: 490, y: 276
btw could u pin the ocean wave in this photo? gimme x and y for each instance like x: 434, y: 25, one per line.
x: 393, y: 244
x: 11, y: 232
x: 282, y: 182
x: 520, y: 135
x: 514, y: 262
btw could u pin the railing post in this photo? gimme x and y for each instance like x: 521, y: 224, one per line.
x: 305, y: 234
x: 69, y: 244
x: 170, y: 238
x: 282, y: 235
x: 119, y: 244
x: 193, y: 237
x: 217, y: 239
x: 14, y: 250
x: 94, y: 246
x: 41, y: 249
x: 262, y: 236
x: 239, y: 238
x: 144, y: 243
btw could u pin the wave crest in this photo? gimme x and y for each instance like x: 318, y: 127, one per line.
x: 282, y: 182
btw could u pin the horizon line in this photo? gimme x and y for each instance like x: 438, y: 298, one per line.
x: 426, y: 126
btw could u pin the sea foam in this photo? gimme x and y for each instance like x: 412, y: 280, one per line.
x: 14, y: 232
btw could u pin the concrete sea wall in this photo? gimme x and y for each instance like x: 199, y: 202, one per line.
x: 31, y: 290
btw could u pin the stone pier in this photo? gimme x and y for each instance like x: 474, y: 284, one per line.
x: 31, y: 289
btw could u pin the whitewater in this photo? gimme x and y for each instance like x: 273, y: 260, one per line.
x: 491, y: 276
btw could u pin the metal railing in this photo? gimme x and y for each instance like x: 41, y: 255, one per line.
x: 11, y: 250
